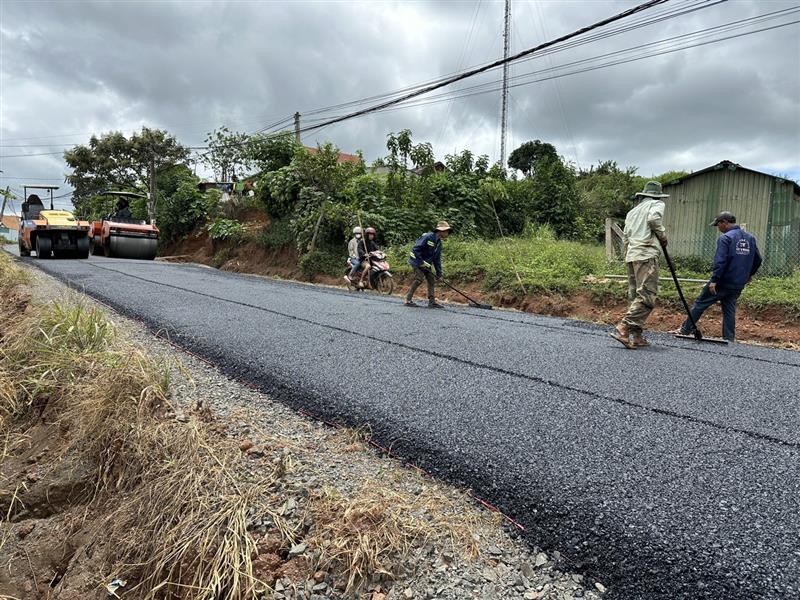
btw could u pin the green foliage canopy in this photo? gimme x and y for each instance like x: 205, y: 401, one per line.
x: 114, y: 161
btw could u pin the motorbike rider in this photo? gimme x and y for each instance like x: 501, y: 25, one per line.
x: 367, y: 246
x: 353, y: 252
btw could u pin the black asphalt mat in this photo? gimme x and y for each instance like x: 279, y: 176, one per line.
x: 665, y: 472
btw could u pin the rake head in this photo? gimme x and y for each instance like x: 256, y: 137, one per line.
x: 698, y: 336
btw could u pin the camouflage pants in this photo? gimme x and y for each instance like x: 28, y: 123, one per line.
x: 419, y: 277
x: 642, y: 292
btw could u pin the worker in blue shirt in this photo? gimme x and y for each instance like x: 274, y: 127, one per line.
x: 425, y: 256
x: 736, y: 261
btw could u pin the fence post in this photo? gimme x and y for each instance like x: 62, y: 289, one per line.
x: 609, y: 241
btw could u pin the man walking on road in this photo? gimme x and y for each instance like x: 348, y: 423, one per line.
x: 643, y: 230
x: 736, y: 261
x: 425, y: 255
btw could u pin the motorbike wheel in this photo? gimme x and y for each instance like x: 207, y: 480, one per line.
x: 385, y: 284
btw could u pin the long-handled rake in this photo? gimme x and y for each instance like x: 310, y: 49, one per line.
x: 472, y: 302
x: 696, y: 333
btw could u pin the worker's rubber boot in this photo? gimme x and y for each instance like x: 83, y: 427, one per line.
x: 622, y: 335
x: 638, y: 340
x: 434, y: 304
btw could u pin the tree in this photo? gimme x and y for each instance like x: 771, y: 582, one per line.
x: 605, y: 191
x: 271, y: 152
x: 114, y: 161
x: 555, y: 198
x: 401, y: 149
x: 530, y: 155
x: 182, y: 206
x: 227, y: 152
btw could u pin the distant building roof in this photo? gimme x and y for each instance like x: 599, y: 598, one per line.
x: 10, y: 221
x: 342, y: 158
x: 732, y: 166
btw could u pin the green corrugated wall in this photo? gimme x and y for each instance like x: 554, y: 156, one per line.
x: 767, y: 206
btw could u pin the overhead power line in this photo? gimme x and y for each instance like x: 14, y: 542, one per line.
x: 498, y: 63
x: 495, y: 85
x: 678, y: 9
x: 420, y: 90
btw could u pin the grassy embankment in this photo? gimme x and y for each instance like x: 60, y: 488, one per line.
x: 550, y: 266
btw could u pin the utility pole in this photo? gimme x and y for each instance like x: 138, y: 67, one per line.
x: 5, y: 194
x: 504, y: 114
x: 151, y: 201
x: 297, y: 127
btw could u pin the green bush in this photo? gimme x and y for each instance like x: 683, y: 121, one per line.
x: 690, y: 264
x: 226, y: 229
x: 277, y: 234
x: 326, y: 261
x: 220, y: 257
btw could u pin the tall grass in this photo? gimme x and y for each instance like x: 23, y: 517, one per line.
x: 544, y: 263
x: 549, y: 265
x: 178, y: 519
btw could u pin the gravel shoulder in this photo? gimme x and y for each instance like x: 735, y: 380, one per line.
x: 331, y: 458
x: 642, y: 468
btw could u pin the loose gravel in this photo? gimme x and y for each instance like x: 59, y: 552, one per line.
x: 332, y: 457
x: 670, y: 472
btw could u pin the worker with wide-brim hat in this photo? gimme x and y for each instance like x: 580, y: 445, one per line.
x: 425, y: 257
x: 641, y: 240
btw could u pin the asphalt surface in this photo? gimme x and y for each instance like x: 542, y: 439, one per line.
x: 667, y: 472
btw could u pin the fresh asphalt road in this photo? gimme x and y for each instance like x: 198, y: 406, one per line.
x: 668, y: 472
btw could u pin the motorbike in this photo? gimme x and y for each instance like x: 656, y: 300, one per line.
x: 378, y: 277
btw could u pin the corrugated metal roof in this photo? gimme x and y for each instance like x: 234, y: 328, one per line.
x: 732, y: 166
x: 11, y: 221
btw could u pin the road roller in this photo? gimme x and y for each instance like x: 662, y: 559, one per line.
x: 119, y: 235
x: 50, y: 232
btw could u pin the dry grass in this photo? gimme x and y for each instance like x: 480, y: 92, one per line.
x: 179, y: 518
x: 372, y: 531
x: 178, y: 509
x: 184, y: 530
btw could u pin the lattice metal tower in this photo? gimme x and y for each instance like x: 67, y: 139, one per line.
x: 504, y: 114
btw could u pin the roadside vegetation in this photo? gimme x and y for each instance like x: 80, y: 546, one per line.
x: 537, y: 227
x: 131, y: 486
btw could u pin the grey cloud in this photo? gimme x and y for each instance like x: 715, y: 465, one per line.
x: 190, y: 66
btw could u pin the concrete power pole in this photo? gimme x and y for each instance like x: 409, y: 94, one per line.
x: 297, y: 127
x: 151, y: 201
x: 504, y: 114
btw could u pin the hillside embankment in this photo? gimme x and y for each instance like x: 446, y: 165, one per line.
x: 562, y: 279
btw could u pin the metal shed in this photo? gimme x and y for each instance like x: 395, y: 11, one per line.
x: 765, y: 205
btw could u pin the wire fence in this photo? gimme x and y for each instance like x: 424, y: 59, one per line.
x: 780, y: 250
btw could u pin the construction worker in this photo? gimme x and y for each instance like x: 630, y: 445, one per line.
x: 352, y: 252
x: 123, y: 210
x: 641, y: 236
x: 736, y: 261
x: 425, y: 256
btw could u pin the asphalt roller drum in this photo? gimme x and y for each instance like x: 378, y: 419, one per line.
x: 132, y: 247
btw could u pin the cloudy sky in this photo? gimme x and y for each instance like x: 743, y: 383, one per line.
x: 70, y: 69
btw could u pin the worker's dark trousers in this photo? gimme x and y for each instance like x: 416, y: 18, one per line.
x: 727, y: 299
x: 419, y: 275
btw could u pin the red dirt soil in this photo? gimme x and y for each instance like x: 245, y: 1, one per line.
x: 772, y: 327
